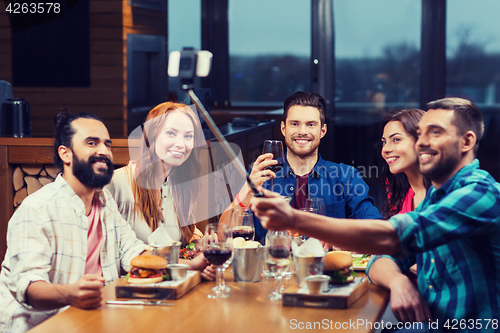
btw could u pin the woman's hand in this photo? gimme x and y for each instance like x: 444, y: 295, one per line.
x: 198, y: 263
x: 198, y: 243
x: 209, y: 273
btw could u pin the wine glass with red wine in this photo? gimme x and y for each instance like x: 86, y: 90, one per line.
x: 274, y: 147
x: 278, y: 257
x: 217, y: 249
x: 242, y: 224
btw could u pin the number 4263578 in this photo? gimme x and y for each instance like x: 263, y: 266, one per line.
x: 33, y: 8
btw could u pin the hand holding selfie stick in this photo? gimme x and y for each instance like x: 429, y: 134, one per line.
x: 187, y: 65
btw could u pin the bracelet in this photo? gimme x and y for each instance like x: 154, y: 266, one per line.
x: 240, y: 203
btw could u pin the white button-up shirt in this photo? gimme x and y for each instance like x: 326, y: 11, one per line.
x: 47, y: 241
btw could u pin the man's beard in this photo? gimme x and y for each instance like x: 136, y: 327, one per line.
x: 302, y: 154
x: 84, y: 172
x: 444, y: 167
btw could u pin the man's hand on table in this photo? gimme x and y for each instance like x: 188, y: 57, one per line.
x: 407, y: 303
x: 86, y: 293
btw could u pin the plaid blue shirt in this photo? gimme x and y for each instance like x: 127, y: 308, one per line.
x: 454, y: 237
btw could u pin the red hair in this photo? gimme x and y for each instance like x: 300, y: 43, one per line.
x: 147, y: 196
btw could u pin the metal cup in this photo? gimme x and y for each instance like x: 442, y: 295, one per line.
x: 177, y: 271
x: 169, y: 252
x: 317, y: 283
x: 247, y: 264
x: 306, y: 266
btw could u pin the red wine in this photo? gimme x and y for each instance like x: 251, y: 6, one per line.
x: 217, y: 256
x: 243, y: 231
x: 275, y: 168
x: 279, y: 251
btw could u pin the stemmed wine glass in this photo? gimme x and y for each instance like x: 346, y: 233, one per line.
x: 265, y: 270
x: 278, y: 258
x: 242, y: 224
x: 276, y: 148
x: 217, y: 249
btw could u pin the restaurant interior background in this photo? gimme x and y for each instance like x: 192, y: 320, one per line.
x: 366, y: 57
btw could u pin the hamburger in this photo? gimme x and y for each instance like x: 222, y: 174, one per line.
x: 338, y: 265
x: 147, y: 269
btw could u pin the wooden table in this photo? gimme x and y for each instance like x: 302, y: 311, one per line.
x: 247, y: 310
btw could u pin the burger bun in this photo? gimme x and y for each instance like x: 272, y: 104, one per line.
x: 149, y: 262
x: 337, y: 260
x: 144, y: 280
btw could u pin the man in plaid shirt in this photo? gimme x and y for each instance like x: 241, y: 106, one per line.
x: 67, y: 239
x: 454, y: 234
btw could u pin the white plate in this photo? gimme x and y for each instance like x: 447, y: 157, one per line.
x: 359, y: 267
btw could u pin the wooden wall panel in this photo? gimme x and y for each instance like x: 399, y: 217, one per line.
x: 70, y: 97
x: 6, y: 198
x: 105, y: 19
x: 5, y: 45
x: 113, y: 124
x: 4, y: 31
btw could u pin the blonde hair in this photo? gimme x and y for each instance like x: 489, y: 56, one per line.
x: 147, y: 194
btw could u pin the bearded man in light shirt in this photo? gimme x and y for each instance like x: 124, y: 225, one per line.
x: 68, y: 239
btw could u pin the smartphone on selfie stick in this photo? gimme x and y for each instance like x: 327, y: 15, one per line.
x: 187, y: 65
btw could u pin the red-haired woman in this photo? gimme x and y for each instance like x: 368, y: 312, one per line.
x: 149, y: 191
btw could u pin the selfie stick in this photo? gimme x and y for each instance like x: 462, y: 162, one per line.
x: 229, y: 151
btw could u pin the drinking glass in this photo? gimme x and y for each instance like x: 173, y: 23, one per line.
x: 243, y: 219
x: 217, y: 249
x: 242, y: 224
x: 309, y: 210
x: 316, y: 203
x: 276, y: 148
x: 265, y: 270
x: 312, y: 210
x: 278, y: 258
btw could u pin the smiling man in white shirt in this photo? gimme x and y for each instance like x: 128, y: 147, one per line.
x: 67, y: 239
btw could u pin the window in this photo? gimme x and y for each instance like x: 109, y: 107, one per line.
x: 184, y: 30
x: 473, y: 51
x: 377, y: 58
x: 269, y: 49
x: 473, y: 68
x: 377, y: 54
